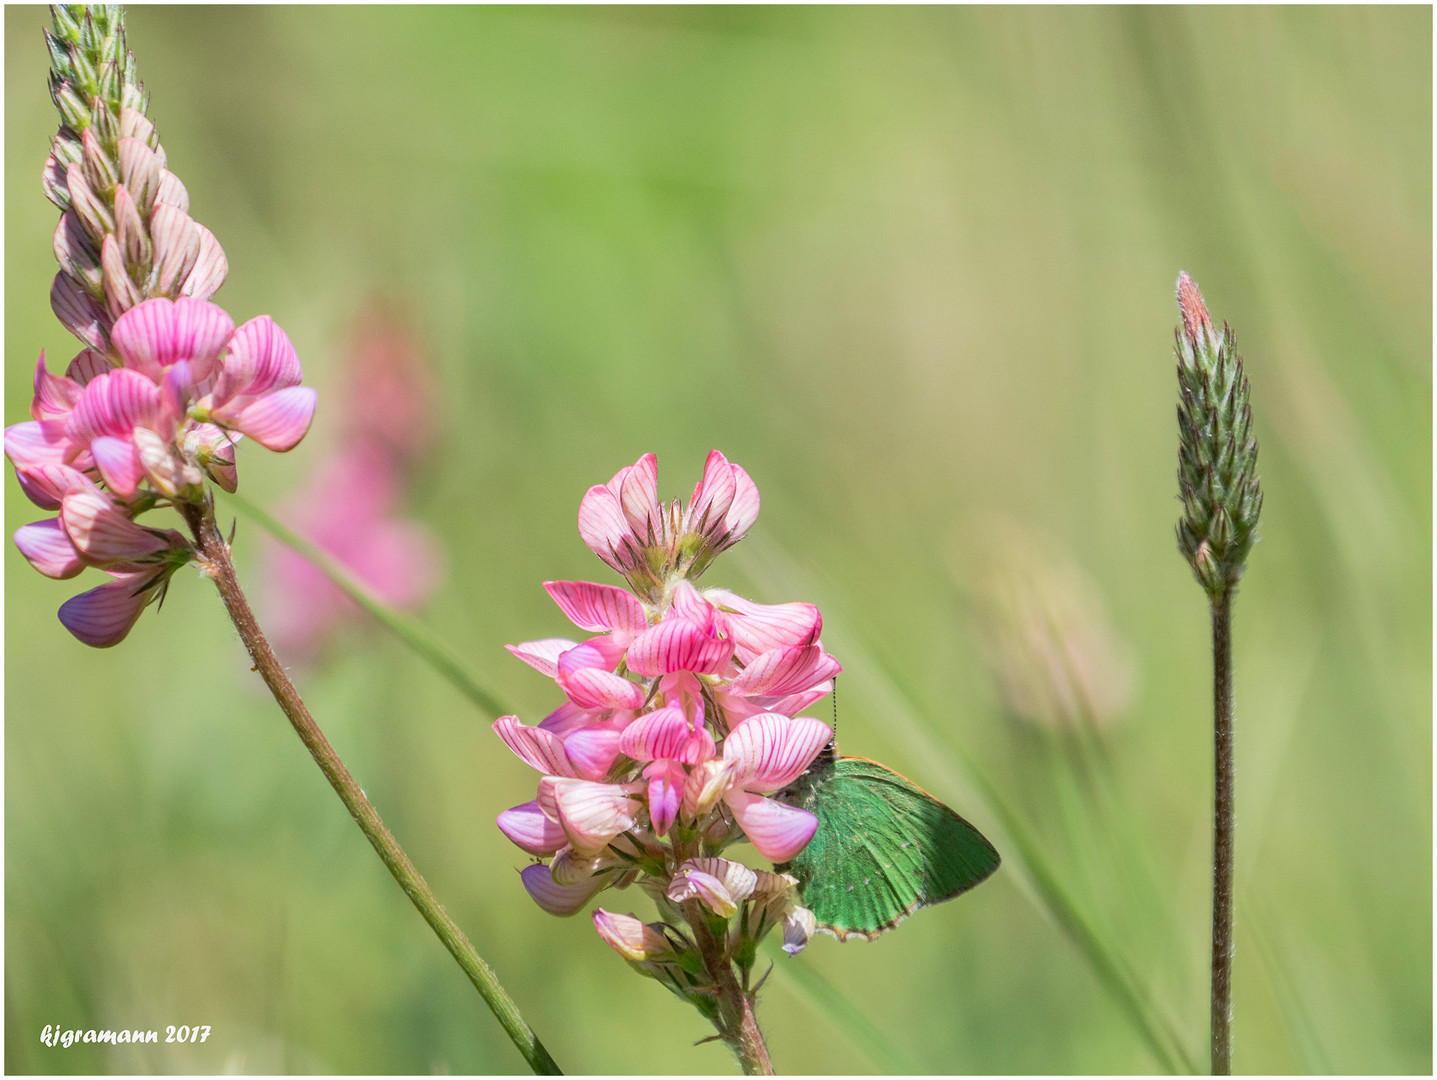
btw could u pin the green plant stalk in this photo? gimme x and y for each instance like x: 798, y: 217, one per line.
x: 737, y: 1022
x: 216, y: 562
x: 1222, y: 854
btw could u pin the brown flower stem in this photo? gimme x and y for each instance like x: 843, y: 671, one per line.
x: 215, y: 560
x: 737, y: 1023
x: 1222, y: 943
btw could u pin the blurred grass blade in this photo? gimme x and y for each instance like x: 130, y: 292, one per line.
x: 407, y: 628
x: 1302, y: 1032
x: 773, y: 569
x: 826, y: 998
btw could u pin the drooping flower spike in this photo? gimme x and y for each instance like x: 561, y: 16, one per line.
x: 681, y: 720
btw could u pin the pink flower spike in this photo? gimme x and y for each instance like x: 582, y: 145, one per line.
x: 778, y: 831
x: 598, y: 608
x: 592, y: 814
x: 528, y: 828
x: 55, y: 396
x: 543, y: 656
x: 278, y: 420
x: 152, y: 336
x: 103, y: 616
x: 771, y: 751
x: 779, y: 672
x: 559, y: 899
x: 537, y: 748
x: 47, y: 548
x: 678, y: 645
x: 119, y: 463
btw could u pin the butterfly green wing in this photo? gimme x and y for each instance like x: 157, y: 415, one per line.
x: 883, y: 848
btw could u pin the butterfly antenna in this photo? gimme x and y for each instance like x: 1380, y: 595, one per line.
x: 834, y: 693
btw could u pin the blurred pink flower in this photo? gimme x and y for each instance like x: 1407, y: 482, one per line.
x: 346, y: 508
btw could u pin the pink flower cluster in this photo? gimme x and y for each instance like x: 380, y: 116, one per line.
x: 118, y: 435
x: 681, y: 719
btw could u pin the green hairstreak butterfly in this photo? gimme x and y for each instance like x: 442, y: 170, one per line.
x: 883, y: 849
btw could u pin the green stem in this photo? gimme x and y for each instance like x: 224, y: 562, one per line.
x: 737, y: 1023
x: 215, y: 559
x: 1222, y: 857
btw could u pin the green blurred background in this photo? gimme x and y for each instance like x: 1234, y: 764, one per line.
x: 913, y: 269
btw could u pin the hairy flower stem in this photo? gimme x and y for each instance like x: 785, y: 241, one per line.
x: 737, y: 1023
x: 1222, y: 851
x: 215, y: 558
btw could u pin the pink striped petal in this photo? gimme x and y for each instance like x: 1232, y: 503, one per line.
x: 559, y: 899
x: 677, y: 645
x: 666, y: 788
x: 771, y: 750
x: 79, y: 312
x: 603, y: 527
x: 37, y: 442
x: 102, y: 533
x: 594, y: 688
x: 211, y: 266
x: 114, y: 403
x: 592, y: 750
x: 567, y: 719
x: 47, y: 548
x: 798, y: 926
x: 46, y: 485
x: 720, y: 883
x: 632, y: 939
x: 758, y: 628
x: 778, y: 831
x: 785, y: 671
x: 527, y: 827
x: 153, y: 335
x: 119, y: 463
x: 743, y: 511
x: 689, y: 604
x: 277, y: 421
x: 54, y: 396
x: 103, y: 616
x: 543, y: 655
x: 712, y: 496
x: 655, y: 735
x: 667, y: 734
x: 87, y: 364
x: 638, y: 494
x: 592, y: 814
x: 260, y: 358
x: 537, y: 748
x: 598, y: 607
x: 708, y: 782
